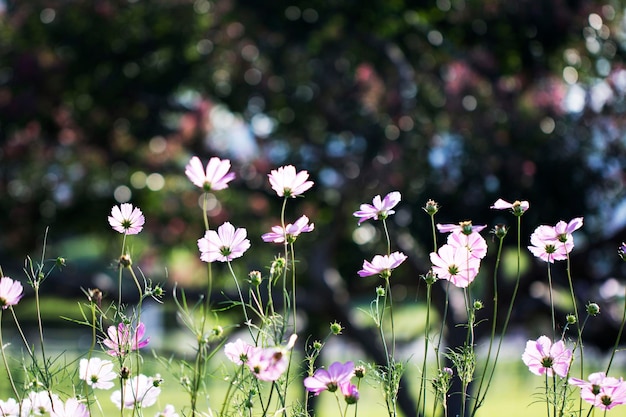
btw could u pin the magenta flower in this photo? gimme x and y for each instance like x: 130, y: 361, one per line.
x: 337, y: 375
x: 224, y: 245
x: 474, y: 243
x: 238, y: 351
x: 126, y: 219
x: 71, y: 408
x: 543, y: 357
x: 463, y: 227
x: 379, y: 209
x: 382, y: 265
x: 10, y: 292
x: 122, y: 339
x: 287, y: 183
x: 350, y: 392
x: 290, y: 232
x: 517, y: 207
x: 455, y: 264
x: 601, y: 391
x: 216, y: 176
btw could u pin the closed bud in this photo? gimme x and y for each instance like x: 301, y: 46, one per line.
x: 335, y: 328
x: 431, y: 207
x: 380, y: 292
x: 125, y: 372
x: 317, y: 345
x: 500, y: 230
x: 60, y: 261
x: 255, y: 278
x: 571, y: 319
x: 621, y: 251
x: 593, y: 309
x: 126, y: 261
x: 430, y: 277
x: 478, y: 305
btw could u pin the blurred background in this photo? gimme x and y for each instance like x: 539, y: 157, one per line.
x: 459, y: 101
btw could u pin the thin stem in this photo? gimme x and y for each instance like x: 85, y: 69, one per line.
x: 480, y: 399
x: 619, y: 336
x: 6, y: 363
x: 421, y: 398
x: 243, y: 304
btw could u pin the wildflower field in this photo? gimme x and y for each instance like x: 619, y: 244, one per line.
x: 263, y: 366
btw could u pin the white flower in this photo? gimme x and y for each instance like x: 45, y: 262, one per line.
x: 97, y: 373
x: 140, y: 391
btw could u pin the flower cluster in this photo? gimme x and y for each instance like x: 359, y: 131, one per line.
x: 458, y: 261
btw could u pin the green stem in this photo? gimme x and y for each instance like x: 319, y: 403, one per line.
x: 6, y: 363
x: 619, y: 336
x: 481, y: 398
x: 421, y: 398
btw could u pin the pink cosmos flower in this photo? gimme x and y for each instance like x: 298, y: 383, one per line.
x: 474, y: 242
x: 215, y: 178
x: 97, y: 373
x: 122, y: 339
x: 382, y: 265
x: 601, y: 391
x: 10, y: 292
x: 379, y: 209
x: 546, y: 248
x: 71, y: 408
x: 289, y: 183
x: 455, y: 264
x: 337, y: 375
x: 463, y: 227
x: 9, y: 408
x: 238, y: 351
x: 168, y: 411
x: 268, y: 364
x: 126, y: 219
x: 543, y: 357
x: 224, y: 245
x: 139, y: 392
x: 290, y: 232
x: 350, y: 392
x: 553, y: 243
x: 517, y: 207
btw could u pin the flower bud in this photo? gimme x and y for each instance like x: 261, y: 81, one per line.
x: 466, y: 227
x: 126, y: 261
x: 255, y: 278
x: 500, y: 230
x: 125, y: 372
x: 157, y: 381
x: 593, y: 309
x: 60, y: 261
x: 621, y: 251
x: 157, y: 291
x: 317, y: 345
x: 431, y: 207
x: 217, y: 331
x: 478, y: 305
x: 276, y: 268
x: 430, y: 277
x: 571, y: 319
x: 359, y: 372
x: 335, y: 328
x: 380, y: 291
